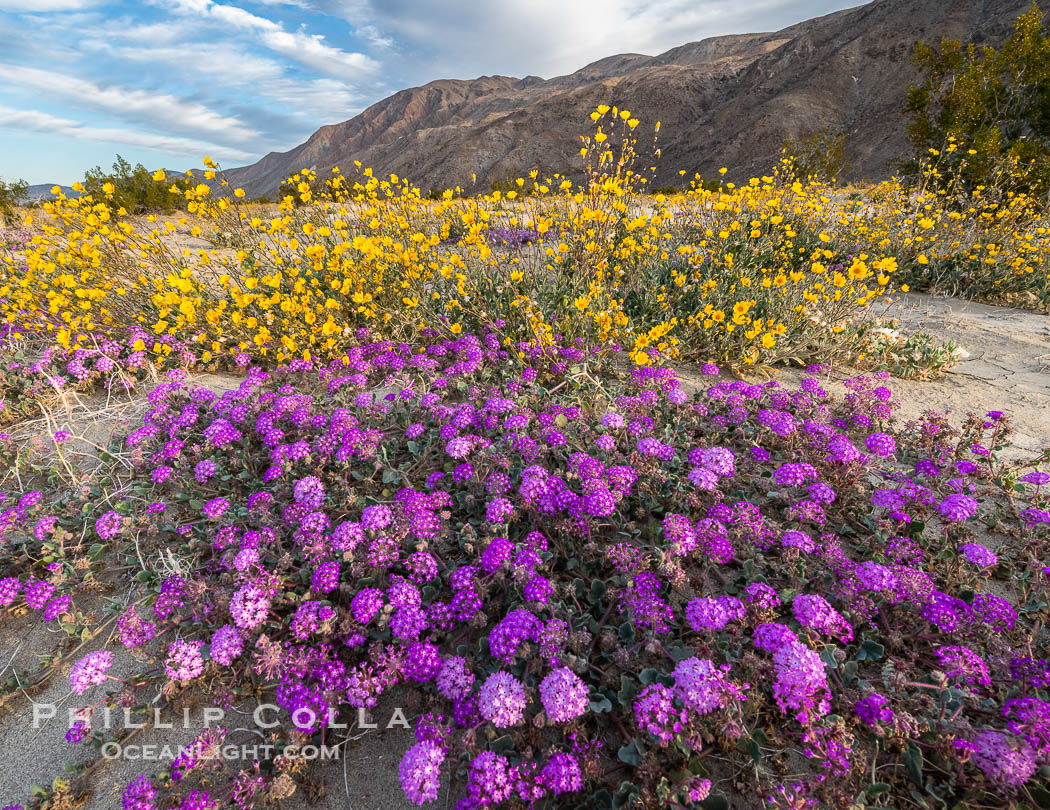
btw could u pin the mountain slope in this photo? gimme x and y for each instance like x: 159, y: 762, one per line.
x: 851, y: 72
x: 724, y: 101
x: 42, y: 191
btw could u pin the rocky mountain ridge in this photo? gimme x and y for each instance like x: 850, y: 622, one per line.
x: 723, y: 101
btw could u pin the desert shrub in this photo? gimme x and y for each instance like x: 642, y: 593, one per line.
x: 516, y: 185
x: 601, y: 593
x: 919, y: 355
x: 986, y: 245
x: 300, y: 189
x: 701, y: 183
x: 820, y: 156
x: 135, y: 189
x: 13, y: 193
x: 984, y: 114
x: 307, y: 187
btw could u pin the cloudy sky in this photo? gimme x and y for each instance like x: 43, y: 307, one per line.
x: 164, y: 82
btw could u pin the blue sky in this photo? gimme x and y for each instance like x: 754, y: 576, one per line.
x: 164, y: 82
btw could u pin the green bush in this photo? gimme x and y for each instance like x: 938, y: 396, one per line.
x: 134, y: 188
x: 12, y: 194
x: 820, y: 156
x: 984, y: 114
x: 509, y: 184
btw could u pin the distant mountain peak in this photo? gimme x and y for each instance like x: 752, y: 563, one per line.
x: 42, y: 191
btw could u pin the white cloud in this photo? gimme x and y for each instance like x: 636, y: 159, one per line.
x: 36, y: 121
x: 375, y: 37
x: 310, y: 50
x: 222, y: 67
x: 464, y: 38
x: 324, y: 99
x: 328, y: 100
x: 46, y: 5
x: 146, y: 34
x: 157, y: 108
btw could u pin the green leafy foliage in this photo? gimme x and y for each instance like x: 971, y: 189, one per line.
x: 820, y: 156
x: 134, y: 189
x: 12, y: 194
x: 984, y: 114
